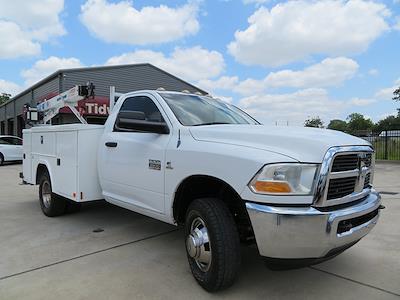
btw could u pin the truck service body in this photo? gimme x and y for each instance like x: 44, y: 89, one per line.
x: 300, y: 194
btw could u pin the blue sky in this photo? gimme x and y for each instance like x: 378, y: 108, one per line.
x: 282, y: 61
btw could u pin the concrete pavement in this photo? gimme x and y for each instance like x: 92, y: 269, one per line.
x: 139, y: 258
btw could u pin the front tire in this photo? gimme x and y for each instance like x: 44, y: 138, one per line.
x: 51, y: 204
x: 1, y: 159
x: 212, y: 244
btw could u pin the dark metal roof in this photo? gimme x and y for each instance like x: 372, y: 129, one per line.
x: 62, y: 71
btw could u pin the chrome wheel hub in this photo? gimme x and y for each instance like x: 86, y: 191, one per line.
x: 46, y: 194
x: 198, y: 244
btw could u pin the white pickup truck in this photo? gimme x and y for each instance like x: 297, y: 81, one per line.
x: 301, y: 195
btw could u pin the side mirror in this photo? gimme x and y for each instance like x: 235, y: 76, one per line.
x: 136, y: 121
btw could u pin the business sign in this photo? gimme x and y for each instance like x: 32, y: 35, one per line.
x: 99, y: 106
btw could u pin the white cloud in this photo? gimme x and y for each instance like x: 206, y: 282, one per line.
x: 329, y: 72
x: 397, y: 25
x: 387, y: 93
x: 373, y: 72
x: 361, y: 101
x: 122, y: 23
x: 194, y: 63
x: 384, y: 116
x: 24, y: 25
x: 297, y: 106
x: 43, y: 68
x: 292, y: 107
x: 222, y: 83
x: 295, y: 30
x: 9, y: 87
x: 256, y: 2
x: 15, y: 42
x: 250, y: 86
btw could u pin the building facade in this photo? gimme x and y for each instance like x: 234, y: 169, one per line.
x: 125, y: 78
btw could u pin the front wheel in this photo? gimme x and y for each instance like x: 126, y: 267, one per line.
x: 212, y: 244
x: 52, y: 205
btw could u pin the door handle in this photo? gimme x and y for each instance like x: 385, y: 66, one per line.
x: 111, y: 144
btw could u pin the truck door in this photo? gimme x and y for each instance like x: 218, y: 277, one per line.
x: 133, y: 162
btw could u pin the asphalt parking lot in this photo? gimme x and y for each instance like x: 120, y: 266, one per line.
x: 139, y: 258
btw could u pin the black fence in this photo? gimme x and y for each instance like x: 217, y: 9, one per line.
x: 386, y: 143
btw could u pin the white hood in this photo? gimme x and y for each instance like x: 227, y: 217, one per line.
x: 300, y: 143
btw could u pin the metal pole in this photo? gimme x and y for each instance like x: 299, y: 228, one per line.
x: 386, y: 144
x: 112, y: 97
x: 77, y: 114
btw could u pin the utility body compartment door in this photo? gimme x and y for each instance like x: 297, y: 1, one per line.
x: 27, y: 157
x: 65, y: 170
x: 69, y: 154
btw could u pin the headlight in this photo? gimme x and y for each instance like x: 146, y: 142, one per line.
x: 285, y: 179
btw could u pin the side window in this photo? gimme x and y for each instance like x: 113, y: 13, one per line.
x: 17, y: 142
x: 8, y: 141
x: 3, y: 142
x: 143, y: 104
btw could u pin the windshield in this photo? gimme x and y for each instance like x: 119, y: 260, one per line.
x: 193, y: 110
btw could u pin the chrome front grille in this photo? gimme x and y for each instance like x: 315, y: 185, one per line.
x: 367, y: 180
x: 345, y: 176
x: 345, y: 163
x: 348, y: 162
x: 368, y: 160
x: 341, y: 187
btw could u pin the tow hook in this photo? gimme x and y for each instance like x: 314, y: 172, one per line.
x: 381, y: 206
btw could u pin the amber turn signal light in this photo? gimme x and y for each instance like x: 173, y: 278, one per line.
x: 272, y: 187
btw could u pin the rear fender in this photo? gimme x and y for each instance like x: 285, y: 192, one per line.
x: 47, y: 165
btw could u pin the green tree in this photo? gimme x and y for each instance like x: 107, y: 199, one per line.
x: 4, y: 97
x: 337, y: 124
x: 388, y: 123
x: 396, y: 94
x: 396, y: 97
x: 357, y: 123
x: 314, y: 122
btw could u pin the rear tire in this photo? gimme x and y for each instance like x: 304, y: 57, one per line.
x: 1, y: 159
x: 52, y: 205
x: 212, y: 244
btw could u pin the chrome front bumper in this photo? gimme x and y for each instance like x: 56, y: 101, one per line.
x: 306, y: 232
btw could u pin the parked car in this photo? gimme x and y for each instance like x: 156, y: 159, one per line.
x: 10, y: 148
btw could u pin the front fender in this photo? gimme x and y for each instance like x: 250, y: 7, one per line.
x: 235, y: 165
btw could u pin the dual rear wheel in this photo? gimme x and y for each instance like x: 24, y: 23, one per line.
x: 53, y: 205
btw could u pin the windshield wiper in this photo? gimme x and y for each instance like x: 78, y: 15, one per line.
x: 211, y: 123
